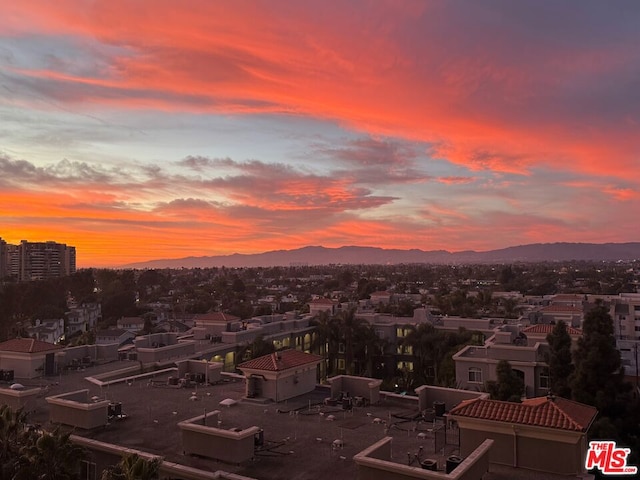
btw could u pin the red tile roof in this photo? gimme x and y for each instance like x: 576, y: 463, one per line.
x: 282, y: 360
x: 548, y: 328
x: 27, y: 345
x: 558, y: 413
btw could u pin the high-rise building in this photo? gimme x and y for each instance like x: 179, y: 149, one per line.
x: 3, y: 259
x: 36, y: 260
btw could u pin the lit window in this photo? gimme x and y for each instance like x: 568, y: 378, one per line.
x: 341, y: 364
x: 475, y: 375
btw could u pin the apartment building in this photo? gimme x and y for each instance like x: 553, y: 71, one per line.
x: 625, y: 312
x: 36, y: 260
x: 477, y: 364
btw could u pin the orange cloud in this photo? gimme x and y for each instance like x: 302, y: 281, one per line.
x: 356, y: 69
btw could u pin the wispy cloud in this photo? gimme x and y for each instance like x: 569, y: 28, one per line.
x: 411, y: 124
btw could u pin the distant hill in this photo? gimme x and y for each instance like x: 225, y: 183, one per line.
x: 538, y: 252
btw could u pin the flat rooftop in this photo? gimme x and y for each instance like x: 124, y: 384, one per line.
x: 299, y: 434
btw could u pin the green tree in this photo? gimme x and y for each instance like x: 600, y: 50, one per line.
x: 26, y: 453
x: 50, y: 456
x: 559, y: 360
x: 12, y: 434
x: 258, y: 348
x: 326, y: 341
x: 134, y: 467
x: 508, y: 386
x: 598, y: 378
x: 423, y: 340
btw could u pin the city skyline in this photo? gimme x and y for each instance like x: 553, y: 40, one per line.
x: 146, y: 130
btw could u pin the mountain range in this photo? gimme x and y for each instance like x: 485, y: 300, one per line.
x: 317, y: 255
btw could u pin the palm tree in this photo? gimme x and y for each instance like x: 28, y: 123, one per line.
x: 52, y: 456
x: 134, y: 467
x: 326, y: 341
x: 350, y: 331
x: 12, y: 436
x: 422, y: 340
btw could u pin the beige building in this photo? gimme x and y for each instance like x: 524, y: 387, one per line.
x: 281, y: 375
x: 546, y: 434
x: 322, y: 305
x: 538, y: 333
x: 477, y: 364
x: 29, y: 358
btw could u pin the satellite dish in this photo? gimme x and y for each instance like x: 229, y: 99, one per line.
x: 17, y: 386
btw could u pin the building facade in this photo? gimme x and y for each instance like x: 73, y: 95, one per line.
x: 36, y: 260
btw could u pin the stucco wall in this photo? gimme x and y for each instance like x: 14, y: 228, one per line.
x: 217, y: 443
x: 524, y: 447
x: 160, y: 354
x: 375, y: 463
x: 200, y: 366
x: 367, y: 388
x: 450, y: 396
x: 17, y: 399
x: 77, y: 409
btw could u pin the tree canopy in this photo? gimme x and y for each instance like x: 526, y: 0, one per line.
x: 598, y: 377
x: 509, y: 386
x: 559, y: 360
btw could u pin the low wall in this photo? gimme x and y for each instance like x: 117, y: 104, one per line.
x: 161, y: 354
x: 368, y: 388
x: 17, y: 399
x: 213, y: 373
x: 77, y: 410
x: 451, y: 397
x: 95, y: 353
x: 107, y: 454
x: 125, y: 375
x: 374, y: 463
x: 225, y: 445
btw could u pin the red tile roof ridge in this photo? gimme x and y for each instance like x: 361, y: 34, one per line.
x: 540, y: 411
x: 281, y: 360
x: 547, y: 328
x: 27, y: 345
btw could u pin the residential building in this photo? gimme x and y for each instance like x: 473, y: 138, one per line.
x: 30, y: 358
x: 132, y: 324
x: 51, y: 331
x: 477, y: 364
x: 44, y: 260
x: 114, y: 335
x: 281, y: 375
x: 83, y: 318
x: 625, y: 312
x: 546, y: 434
x: 322, y: 305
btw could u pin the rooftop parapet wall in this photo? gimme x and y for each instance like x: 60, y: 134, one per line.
x: 98, y: 352
x: 451, y: 397
x: 367, y: 388
x: 155, y: 339
x: 108, y: 454
x: 230, y: 446
x: 77, y: 410
x: 375, y: 463
x: 17, y: 399
x: 512, y: 353
x: 212, y: 373
x: 161, y: 354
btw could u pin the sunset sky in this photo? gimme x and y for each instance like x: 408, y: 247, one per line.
x: 138, y: 130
